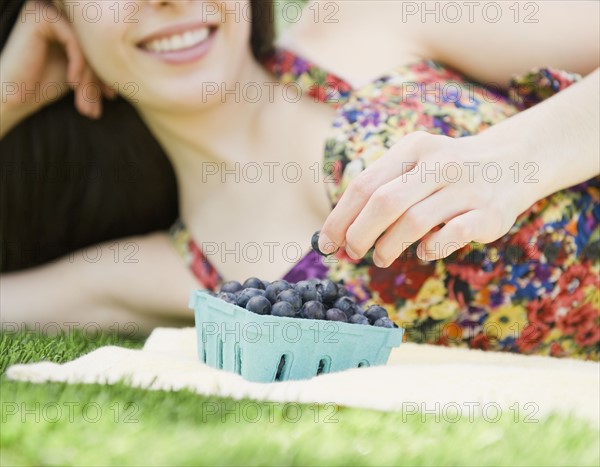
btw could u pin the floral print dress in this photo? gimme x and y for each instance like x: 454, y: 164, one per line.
x: 534, y: 291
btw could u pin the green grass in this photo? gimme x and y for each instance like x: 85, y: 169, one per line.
x: 59, y: 424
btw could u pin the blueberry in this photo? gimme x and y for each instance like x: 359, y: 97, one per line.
x: 283, y: 309
x: 265, y: 284
x: 301, y: 286
x: 308, y: 291
x: 328, y: 290
x: 374, y: 312
x: 384, y: 323
x: 312, y: 310
x: 276, y: 288
x: 231, y: 287
x: 358, y: 319
x: 335, y: 314
x: 259, y: 305
x: 346, y: 304
x: 342, y: 291
x: 292, y: 297
x: 314, y: 243
x: 253, y: 283
x: 227, y: 297
x: 247, y: 294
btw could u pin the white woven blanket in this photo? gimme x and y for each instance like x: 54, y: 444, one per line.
x: 417, y: 377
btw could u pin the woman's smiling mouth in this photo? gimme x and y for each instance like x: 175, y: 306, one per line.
x: 180, y: 44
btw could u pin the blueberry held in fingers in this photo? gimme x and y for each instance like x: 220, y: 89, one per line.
x: 314, y: 241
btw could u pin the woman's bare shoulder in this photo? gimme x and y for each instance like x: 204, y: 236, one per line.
x: 489, y: 41
x: 356, y: 40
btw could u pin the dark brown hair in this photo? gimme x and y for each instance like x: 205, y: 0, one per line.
x: 69, y: 182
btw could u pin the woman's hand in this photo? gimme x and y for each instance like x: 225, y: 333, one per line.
x: 41, y: 61
x: 472, y: 185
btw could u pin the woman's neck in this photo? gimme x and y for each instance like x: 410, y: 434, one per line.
x: 225, y: 129
x: 277, y: 129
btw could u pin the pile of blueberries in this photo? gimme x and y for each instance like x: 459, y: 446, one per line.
x: 308, y: 299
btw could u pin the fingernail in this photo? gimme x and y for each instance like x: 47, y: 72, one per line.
x: 378, y: 262
x: 351, y: 253
x: 326, y: 245
x: 423, y: 254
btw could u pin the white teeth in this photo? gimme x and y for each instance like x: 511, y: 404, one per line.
x: 164, y: 45
x: 178, y: 41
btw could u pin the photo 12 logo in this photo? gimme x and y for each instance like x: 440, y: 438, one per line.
x: 271, y: 331
x: 90, y: 12
x: 470, y: 11
x: 70, y: 412
x: 254, y: 412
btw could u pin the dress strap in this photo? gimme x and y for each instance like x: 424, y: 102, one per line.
x: 538, y: 84
x: 319, y: 84
x: 194, y: 258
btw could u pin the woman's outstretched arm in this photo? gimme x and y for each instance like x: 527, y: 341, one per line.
x: 551, y: 146
x: 558, y: 135
x: 493, y: 41
x: 140, y: 280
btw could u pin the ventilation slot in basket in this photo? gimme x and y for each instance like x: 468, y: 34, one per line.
x: 324, y: 365
x: 282, y: 368
x: 203, y: 346
x: 363, y: 363
x: 237, y: 351
x: 219, y: 353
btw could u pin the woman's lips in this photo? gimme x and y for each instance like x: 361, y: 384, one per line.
x: 179, y: 45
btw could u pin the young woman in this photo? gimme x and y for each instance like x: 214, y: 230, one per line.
x: 414, y: 152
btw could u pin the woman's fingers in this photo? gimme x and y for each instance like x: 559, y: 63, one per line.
x: 88, y: 99
x: 457, y: 233
x: 385, y: 206
x: 107, y: 91
x: 398, y: 160
x: 60, y: 31
x: 87, y: 86
x: 352, y: 202
x: 416, y: 222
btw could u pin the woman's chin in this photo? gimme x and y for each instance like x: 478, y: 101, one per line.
x: 179, y: 100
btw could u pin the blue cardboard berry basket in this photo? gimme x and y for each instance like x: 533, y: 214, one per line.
x: 265, y: 348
